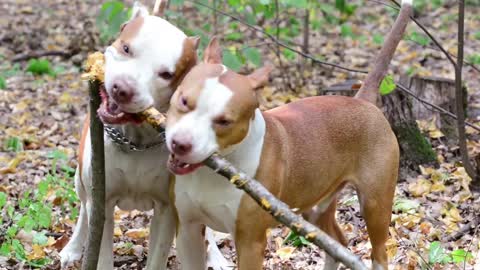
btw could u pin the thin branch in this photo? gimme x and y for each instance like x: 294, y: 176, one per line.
x: 30, y: 55
x: 279, y: 42
x: 434, y: 40
x: 96, y: 218
x: 462, y: 139
x: 438, y: 108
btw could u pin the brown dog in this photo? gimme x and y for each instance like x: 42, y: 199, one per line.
x: 303, y: 152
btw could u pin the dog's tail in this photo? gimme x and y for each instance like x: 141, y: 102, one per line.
x: 369, y: 89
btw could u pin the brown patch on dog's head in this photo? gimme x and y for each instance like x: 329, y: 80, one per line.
x: 186, y: 62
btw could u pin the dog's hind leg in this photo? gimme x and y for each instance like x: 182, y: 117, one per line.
x: 162, y: 232
x: 73, y: 250
x: 324, y: 217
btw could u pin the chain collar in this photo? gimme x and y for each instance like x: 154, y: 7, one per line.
x: 117, y: 137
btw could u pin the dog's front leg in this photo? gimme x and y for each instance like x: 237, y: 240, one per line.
x: 73, y: 250
x: 191, y: 245
x: 105, y: 259
x: 162, y: 231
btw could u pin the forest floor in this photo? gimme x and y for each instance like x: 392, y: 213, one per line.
x: 41, y: 116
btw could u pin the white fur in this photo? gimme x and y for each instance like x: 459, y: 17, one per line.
x: 157, y: 47
x: 135, y: 180
x: 198, y: 123
x: 407, y: 2
x: 205, y: 197
x: 376, y: 266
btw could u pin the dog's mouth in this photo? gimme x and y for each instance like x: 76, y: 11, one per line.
x: 110, y: 113
x: 179, y: 167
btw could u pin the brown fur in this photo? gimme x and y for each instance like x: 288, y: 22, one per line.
x: 81, y: 146
x: 128, y: 33
x: 312, y: 148
x: 186, y: 62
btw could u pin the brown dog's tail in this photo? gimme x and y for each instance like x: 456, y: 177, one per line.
x: 369, y: 89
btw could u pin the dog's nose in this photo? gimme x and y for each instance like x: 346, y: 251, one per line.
x: 122, y: 91
x: 181, y: 147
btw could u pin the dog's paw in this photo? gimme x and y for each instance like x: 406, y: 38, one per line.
x: 68, y: 257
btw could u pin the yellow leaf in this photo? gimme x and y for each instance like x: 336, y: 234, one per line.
x: 392, y: 247
x: 435, y: 134
x: 420, y: 187
x: 438, y: 187
x: 285, y: 253
x: 454, y: 214
x: 137, y: 233
x: 36, y: 253
x: 117, y: 231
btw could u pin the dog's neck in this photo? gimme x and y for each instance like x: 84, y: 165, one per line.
x: 246, y: 154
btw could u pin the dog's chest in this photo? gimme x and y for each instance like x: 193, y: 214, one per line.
x: 133, y: 180
x: 208, y: 198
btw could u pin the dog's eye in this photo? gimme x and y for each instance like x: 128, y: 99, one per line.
x: 126, y: 49
x: 184, y: 104
x: 165, y: 75
x: 222, y: 122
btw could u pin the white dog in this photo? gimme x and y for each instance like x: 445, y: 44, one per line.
x: 143, y: 67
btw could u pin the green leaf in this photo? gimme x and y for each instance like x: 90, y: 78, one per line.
x: 231, y: 60
x: 234, y: 36
x: 40, y: 67
x: 253, y: 56
x: 3, y: 200
x: 405, y: 205
x: 378, y: 39
x: 19, y: 250
x: 419, y: 38
x: 346, y: 30
x: 436, y: 253
x: 460, y: 255
x: 3, y: 83
x: 57, y: 154
x: 14, y: 144
x: 5, y: 249
x: 40, y: 238
x: 387, y: 86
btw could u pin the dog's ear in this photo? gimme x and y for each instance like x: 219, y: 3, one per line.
x: 159, y: 7
x: 195, y: 41
x: 138, y: 10
x: 213, y: 52
x: 260, y: 76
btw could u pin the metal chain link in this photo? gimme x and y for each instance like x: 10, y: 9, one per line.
x: 119, y: 139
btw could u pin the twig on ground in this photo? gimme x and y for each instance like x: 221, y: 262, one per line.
x: 96, y: 218
x: 279, y: 210
x: 473, y: 224
x: 30, y: 55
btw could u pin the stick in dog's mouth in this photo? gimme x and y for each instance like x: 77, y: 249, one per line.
x: 179, y: 167
x: 110, y: 113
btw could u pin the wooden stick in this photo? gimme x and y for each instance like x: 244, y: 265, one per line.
x: 96, y: 218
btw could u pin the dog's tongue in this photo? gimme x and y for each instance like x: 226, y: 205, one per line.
x: 181, y: 168
x: 110, y: 113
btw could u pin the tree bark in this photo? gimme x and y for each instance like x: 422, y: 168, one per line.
x: 279, y: 210
x: 96, y: 218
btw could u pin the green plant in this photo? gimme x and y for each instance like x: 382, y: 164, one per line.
x: 438, y: 255
x: 112, y: 15
x: 13, y: 144
x: 32, y: 211
x: 474, y: 59
x: 296, y: 240
x: 40, y: 67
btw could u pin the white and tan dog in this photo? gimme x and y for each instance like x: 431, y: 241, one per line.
x: 304, y: 153
x: 143, y: 68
